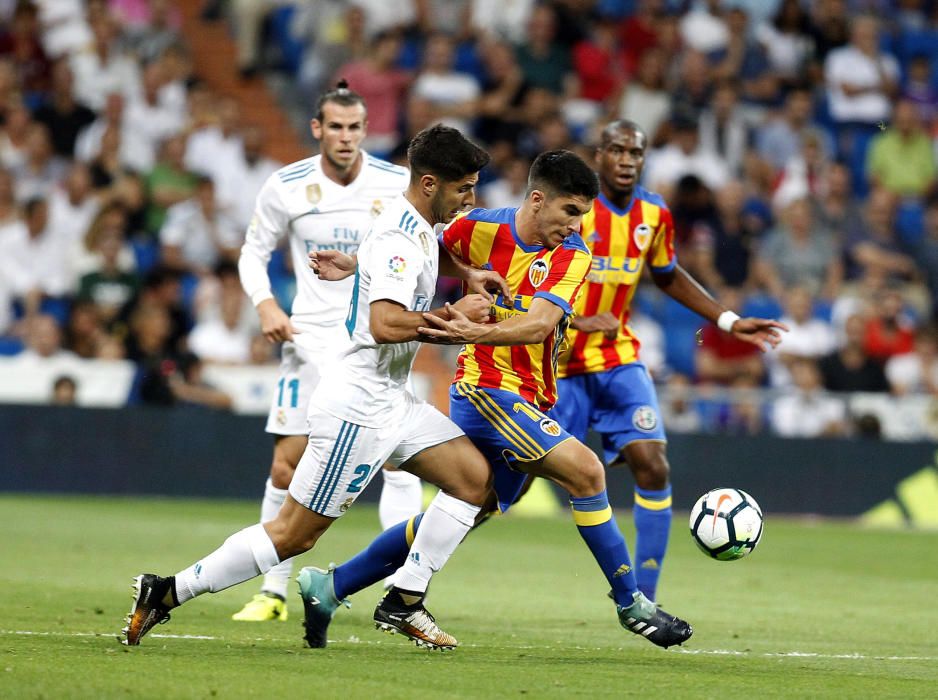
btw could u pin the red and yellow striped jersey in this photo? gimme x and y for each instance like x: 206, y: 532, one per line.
x: 622, y: 241
x: 487, y: 238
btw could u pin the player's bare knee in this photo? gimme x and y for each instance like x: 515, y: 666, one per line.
x: 588, y: 478
x: 651, y: 469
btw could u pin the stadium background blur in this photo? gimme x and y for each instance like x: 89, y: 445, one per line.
x: 135, y: 133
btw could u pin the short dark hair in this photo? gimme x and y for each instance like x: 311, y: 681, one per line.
x: 341, y: 95
x: 444, y: 152
x: 563, y: 173
x: 619, y: 126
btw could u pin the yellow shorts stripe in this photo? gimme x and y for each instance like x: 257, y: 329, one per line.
x: 409, y: 532
x: 652, y: 505
x: 586, y: 518
x: 506, y: 430
x: 535, y: 448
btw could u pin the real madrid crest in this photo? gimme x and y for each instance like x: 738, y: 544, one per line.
x: 376, y: 208
x: 642, y: 236
x: 537, y: 273
x: 313, y: 193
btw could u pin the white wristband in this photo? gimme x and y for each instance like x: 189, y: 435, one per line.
x: 726, y: 320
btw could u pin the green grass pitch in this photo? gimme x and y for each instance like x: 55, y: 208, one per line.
x: 819, y: 610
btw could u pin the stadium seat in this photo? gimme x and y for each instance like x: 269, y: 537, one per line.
x: 146, y: 253
x: 910, y: 222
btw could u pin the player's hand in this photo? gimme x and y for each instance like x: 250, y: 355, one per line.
x: 485, y: 282
x: 332, y: 265
x: 476, y: 307
x: 764, y: 333
x: 275, y: 324
x: 605, y: 323
x: 458, y: 329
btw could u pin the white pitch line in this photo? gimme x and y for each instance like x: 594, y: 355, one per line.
x: 356, y: 640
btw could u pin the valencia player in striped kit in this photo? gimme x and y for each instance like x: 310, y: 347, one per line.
x: 505, y: 385
x: 602, y: 383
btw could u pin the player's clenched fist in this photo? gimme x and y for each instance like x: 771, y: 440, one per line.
x: 475, y: 307
x: 275, y: 324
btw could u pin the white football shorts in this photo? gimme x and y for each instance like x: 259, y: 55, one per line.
x: 300, y: 369
x: 341, y: 457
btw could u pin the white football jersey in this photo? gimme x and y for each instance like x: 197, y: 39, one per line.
x: 318, y: 214
x: 399, y: 261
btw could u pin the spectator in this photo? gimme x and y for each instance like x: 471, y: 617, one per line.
x: 926, y: 252
x: 830, y: 30
x: 787, y: 41
x: 187, y: 385
x: 798, y: 252
x: 382, y: 84
x: 41, y: 169
x: 703, y: 29
x: 677, y: 410
x: 21, y: 43
x: 223, y: 340
x: 644, y: 99
x: 34, y: 259
x: 889, y: 331
x: 695, y: 76
x: 807, y: 336
x: 197, y: 234
x: 861, y: 82
x: 721, y: 358
x: 723, y: 128
x: 84, y: 331
x: 744, y: 59
x: 44, y: 340
x: 850, y: 368
x: 503, y: 94
x: 237, y: 188
x: 73, y: 206
x: 638, y: 36
x: 684, y: 156
x: 61, y: 113
x: 452, y: 95
x: 916, y: 372
x: 64, y: 391
x: 872, y: 250
x: 335, y: 33
x: 249, y: 16
x: 808, y: 412
x: 900, y: 158
x: 111, y: 132
x: 169, y: 182
x: 781, y: 139
x: 744, y: 414
x: 212, y: 148
x: 835, y: 207
x: 9, y: 210
x: 508, y: 189
x: 102, y: 69
x: 920, y: 88
x: 598, y: 63
x: 496, y: 19
x: 148, y: 115
x: 544, y: 62
x: 161, y: 289
x: 108, y: 284
x: 14, y: 135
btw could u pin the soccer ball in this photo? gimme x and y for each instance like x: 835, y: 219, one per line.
x: 726, y: 524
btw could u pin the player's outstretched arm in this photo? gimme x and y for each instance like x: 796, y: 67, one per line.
x: 530, y: 328
x: 389, y: 322
x: 764, y: 333
x: 332, y: 265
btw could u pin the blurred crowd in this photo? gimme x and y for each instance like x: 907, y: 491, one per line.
x: 795, y: 142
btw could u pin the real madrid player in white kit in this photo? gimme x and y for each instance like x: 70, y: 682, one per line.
x: 328, y: 201
x: 361, y: 414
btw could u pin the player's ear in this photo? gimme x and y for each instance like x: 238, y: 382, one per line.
x: 315, y: 128
x: 537, y: 198
x: 428, y: 184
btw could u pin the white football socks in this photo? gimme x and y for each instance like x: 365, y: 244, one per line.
x: 277, y: 579
x: 401, y: 498
x: 242, y: 556
x: 443, y: 527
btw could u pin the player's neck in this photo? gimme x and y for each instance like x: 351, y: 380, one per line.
x: 526, y: 225
x: 340, y: 176
x: 421, y: 204
x: 620, y: 199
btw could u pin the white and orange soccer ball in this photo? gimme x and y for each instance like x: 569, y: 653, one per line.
x: 726, y: 524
